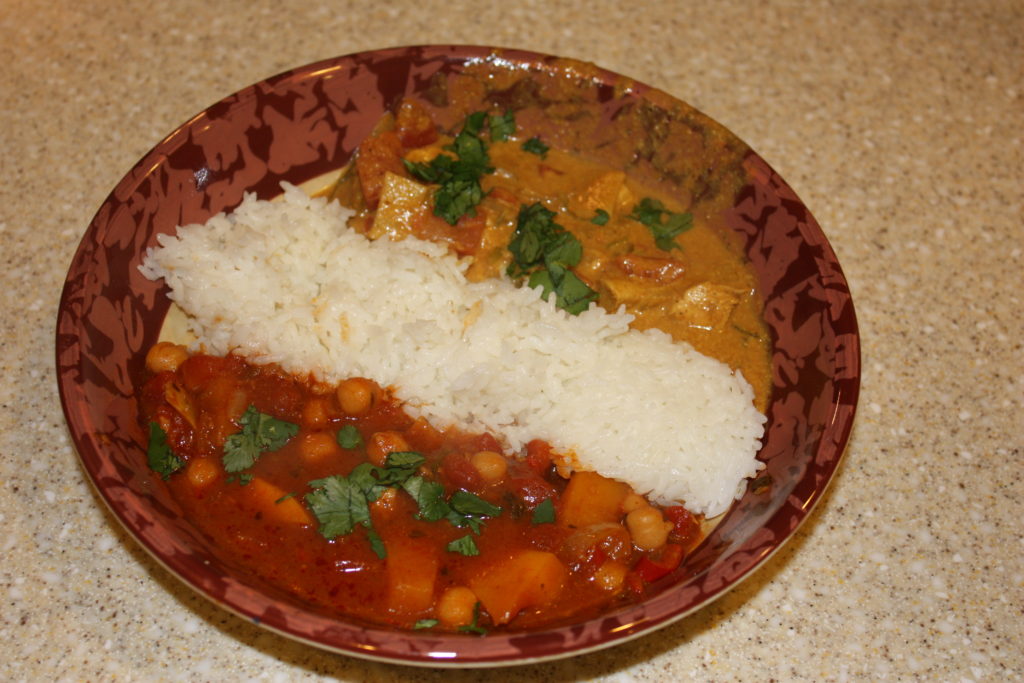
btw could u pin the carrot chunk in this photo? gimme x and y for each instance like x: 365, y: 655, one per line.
x: 273, y: 503
x: 412, y: 572
x: 530, y: 578
x: 591, y: 499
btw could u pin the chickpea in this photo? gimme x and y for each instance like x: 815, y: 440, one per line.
x: 315, y: 446
x: 201, y: 472
x: 648, y: 528
x: 165, y: 357
x: 315, y: 413
x: 610, y: 576
x: 383, y: 443
x: 456, y: 606
x: 357, y: 395
x: 633, y: 501
x: 490, y: 465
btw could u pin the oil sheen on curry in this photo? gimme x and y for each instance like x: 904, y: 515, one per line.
x: 338, y: 496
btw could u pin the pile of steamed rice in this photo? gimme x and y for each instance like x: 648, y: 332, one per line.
x: 287, y: 282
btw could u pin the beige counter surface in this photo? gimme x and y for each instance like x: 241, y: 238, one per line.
x: 898, y: 123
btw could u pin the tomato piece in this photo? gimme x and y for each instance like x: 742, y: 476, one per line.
x: 538, y: 456
x: 685, y: 527
x: 651, y: 568
x: 459, y: 473
x: 414, y: 125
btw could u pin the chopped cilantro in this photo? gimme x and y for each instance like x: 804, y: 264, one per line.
x: 464, y: 546
x: 469, y: 504
x: 260, y: 432
x: 502, y: 127
x: 600, y: 217
x: 544, y: 513
x: 376, y: 544
x: 425, y: 623
x: 545, y: 251
x: 159, y: 455
x: 339, y: 505
x: 535, y: 146
x: 458, y: 176
x: 474, y: 627
x: 664, y: 225
x: 349, y: 437
x: 429, y: 497
x: 342, y: 503
x: 290, y: 494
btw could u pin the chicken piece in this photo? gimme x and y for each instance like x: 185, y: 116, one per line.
x: 707, y: 305
x: 608, y: 192
x: 400, y: 198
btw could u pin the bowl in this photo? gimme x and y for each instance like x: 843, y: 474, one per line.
x: 305, y: 123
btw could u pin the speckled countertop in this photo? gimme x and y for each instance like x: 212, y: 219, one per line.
x: 898, y: 123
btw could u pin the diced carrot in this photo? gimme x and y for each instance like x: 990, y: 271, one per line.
x: 530, y: 578
x: 274, y: 503
x: 412, y: 572
x: 591, y: 499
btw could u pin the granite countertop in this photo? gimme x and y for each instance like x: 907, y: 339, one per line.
x: 899, y: 125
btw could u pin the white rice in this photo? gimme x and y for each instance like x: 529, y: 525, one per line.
x: 287, y: 282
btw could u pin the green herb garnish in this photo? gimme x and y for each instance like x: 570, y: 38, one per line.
x: 458, y: 175
x: 349, y: 437
x: 159, y: 455
x: 340, y: 504
x: 260, y: 433
x: 462, y: 510
x: 464, y: 546
x: 545, y: 251
x: 425, y: 623
x: 600, y: 217
x: 544, y: 513
x: 502, y: 127
x: 663, y: 224
x: 474, y: 627
x: 535, y: 146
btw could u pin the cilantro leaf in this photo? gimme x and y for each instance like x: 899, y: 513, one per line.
x: 600, y: 217
x: 338, y: 505
x: 349, y: 437
x: 545, y: 251
x: 398, y: 467
x: 260, y: 433
x: 664, y: 225
x: 467, y: 503
x: 456, y: 198
x: 159, y: 455
x: 376, y: 544
x: 502, y: 127
x: 458, y: 176
x: 544, y: 513
x: 429, y: 497
x: 535, y: 146
x: 474, y: 627
x: 425, y: 623
x: 464, y: 546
